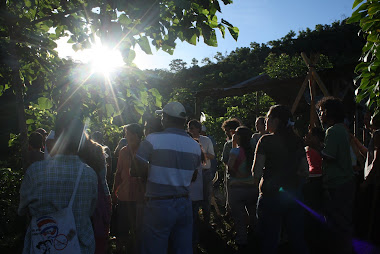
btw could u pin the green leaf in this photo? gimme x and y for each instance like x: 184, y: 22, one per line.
x: 144, y: 98
x: 44, y: 103
x: 225, y: 22
x: 356, y: 3
x: 222, y: 30
x: 158, y: 97
x: 155, y: 92
x: 28, y: 3
x: 355, y: 17
x: 193, y: 39
x: 139, y: 110
x: 144, y: 45
x: 124, y: 20
x: 167, y: 48
x: 128, y: 55
x: 234, y: 31
x: 182, y: 4
x: 29, y: 121
x: 214, y: 22
x: 110, y: 110
x: 212, y: 41
x: 374, y: 9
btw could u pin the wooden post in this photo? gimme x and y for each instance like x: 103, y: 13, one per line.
x: 310, y: 65
x: 320, y: 83
x: 300, y: 93
x: 313, y: 114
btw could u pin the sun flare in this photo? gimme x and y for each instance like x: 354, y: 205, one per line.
x: 105, y: 60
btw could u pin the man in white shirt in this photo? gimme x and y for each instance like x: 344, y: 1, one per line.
x: 195, y: 127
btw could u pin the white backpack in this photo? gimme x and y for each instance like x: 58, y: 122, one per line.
x: 56, y: 232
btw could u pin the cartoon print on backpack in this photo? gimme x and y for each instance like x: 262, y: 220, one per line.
x: 48, y: 229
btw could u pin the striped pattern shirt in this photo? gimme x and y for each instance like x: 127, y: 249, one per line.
x: 47, y: 187
x: 173, y: 157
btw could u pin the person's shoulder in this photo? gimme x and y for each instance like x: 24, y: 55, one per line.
x: 89, y: 171
x: 268, y: 136
x: 106, y: 149
x: 228, y: 143
x: 154, y: 135
x: 205, y: 139
x: 124, y: 149
x: 336, y: 128
x: 256, y: 135
x: 36, y: 167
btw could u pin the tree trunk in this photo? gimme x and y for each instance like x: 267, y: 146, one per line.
x: 18, y: 88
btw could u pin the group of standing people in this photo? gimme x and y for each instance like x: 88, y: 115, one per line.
x: 163, y: 180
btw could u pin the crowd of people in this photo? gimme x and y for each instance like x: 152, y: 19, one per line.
x: 320, y: 192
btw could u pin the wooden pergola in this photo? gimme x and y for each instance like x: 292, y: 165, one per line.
x: 337, y: 82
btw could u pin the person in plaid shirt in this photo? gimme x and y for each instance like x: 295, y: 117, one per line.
x: 47, y: 185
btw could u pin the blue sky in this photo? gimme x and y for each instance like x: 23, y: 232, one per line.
x: 257, y: 20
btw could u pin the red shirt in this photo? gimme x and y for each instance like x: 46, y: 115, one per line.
x: 127, y: 188
x: 314, y: 159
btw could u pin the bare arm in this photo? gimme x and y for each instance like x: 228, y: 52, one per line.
x: 258, y: 167
x: 303, y: 167
x: 359, y: 146
x: 231, y: 161
x: 121, y: 164
x: 139, y: 167
x: 209, y: 156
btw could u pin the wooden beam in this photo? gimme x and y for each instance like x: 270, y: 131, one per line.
x: 300, y: 93
x: 320, y: 82
x: 305, y: 59
x: 314, y: 119
x: 311, y: 65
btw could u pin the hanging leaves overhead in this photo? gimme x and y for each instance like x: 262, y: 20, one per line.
x: 368, y: 81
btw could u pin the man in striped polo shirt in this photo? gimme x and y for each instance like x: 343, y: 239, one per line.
x: 172, y: 157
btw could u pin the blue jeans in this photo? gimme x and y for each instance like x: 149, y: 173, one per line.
x: 165, y: 222
x: 272, y: 212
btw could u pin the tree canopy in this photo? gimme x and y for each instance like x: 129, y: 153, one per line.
x: 29, y: 29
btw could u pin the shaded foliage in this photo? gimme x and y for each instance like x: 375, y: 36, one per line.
x: 285, y: 66
x: 367, y: 14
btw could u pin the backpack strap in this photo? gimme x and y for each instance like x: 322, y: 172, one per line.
x: 76, y: 186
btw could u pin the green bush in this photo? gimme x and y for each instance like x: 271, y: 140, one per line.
x: 12, y: 226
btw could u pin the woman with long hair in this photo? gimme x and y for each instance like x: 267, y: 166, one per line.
x: 282, y: 154
x: 128, y: 192
x: 93, y: 154
x: 242, y: 193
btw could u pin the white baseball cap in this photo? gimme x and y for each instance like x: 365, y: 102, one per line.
x: 174, y: 109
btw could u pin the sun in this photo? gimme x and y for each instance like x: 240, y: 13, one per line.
x: 105, y: 60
